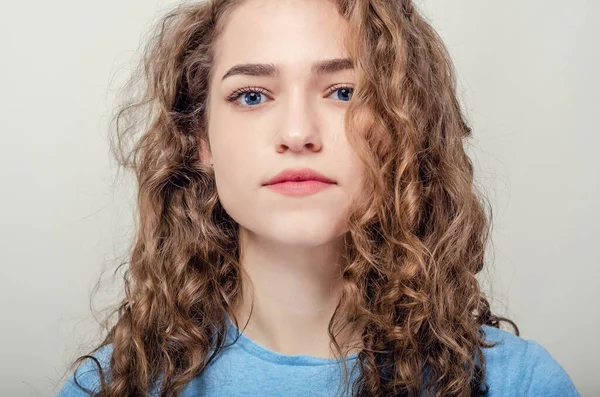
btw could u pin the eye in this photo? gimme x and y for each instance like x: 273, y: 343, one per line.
x: 254, y: 96
x: 344, y: 92
x: 250, y: 96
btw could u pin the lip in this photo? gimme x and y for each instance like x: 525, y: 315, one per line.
x: 299, y: 182
x: 301, y: 188
x: 298, y: 175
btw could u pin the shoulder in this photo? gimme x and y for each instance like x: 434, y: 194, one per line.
x: 87, y: 375
x: 516, y: 366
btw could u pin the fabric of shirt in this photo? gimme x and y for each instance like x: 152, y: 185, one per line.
x: 514, y: 367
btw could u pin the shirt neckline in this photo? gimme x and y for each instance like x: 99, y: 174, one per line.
x: 263, y: 353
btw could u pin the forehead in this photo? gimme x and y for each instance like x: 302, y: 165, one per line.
x: 290, y: 33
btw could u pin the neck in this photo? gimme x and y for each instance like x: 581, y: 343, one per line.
x: 289, y: 293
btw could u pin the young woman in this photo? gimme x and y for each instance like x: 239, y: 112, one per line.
x: 308, y: 220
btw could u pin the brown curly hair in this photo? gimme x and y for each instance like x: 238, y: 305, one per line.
x: 417, y: 232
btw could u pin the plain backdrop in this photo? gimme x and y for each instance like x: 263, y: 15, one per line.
x: 527, y: 76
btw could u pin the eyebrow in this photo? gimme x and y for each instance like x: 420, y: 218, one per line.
x: 271, y: 70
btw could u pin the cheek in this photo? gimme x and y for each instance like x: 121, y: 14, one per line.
x: 235, y: 167
x: 237, y: 173
x: 232, y: 148
x: 349, y: 166
x: 237, y: 191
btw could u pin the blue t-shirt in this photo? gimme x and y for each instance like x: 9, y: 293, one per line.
x: 515, y: 367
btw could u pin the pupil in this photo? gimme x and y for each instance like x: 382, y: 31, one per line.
x: 251, y: 97
x: 345, y: 92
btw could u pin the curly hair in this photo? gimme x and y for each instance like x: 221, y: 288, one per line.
x: 417, y: 232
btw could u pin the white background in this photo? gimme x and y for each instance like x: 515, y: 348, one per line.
x: 528, y: 78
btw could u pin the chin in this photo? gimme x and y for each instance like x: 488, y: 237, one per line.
x: 308, y: 227
x: 299, y: 233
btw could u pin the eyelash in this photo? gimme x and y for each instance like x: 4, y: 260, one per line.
x: 240, y: 91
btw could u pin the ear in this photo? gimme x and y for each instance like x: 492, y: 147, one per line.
x: 205, y: 154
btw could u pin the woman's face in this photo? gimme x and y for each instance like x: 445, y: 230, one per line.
x: 291, y: 117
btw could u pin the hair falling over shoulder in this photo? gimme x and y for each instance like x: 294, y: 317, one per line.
x: 417, y: 232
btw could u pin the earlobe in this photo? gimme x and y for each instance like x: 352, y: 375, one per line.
x: 205, y: 154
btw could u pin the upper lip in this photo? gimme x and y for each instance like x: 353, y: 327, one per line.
x: 298, y: 175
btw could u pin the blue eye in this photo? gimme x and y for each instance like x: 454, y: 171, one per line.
x: 254, y: 96
x: 251, y: 96
x: 344, y: 93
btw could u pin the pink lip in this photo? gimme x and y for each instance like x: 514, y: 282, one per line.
x: 299, y: 188
x: 296, y: 182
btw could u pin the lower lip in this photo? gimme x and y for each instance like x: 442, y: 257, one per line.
x: 300, y: 188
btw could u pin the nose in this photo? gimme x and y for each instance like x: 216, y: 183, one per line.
x: 299, y: 127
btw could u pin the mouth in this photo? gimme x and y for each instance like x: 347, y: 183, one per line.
x: 298, y: 176
x: 300, y: 188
